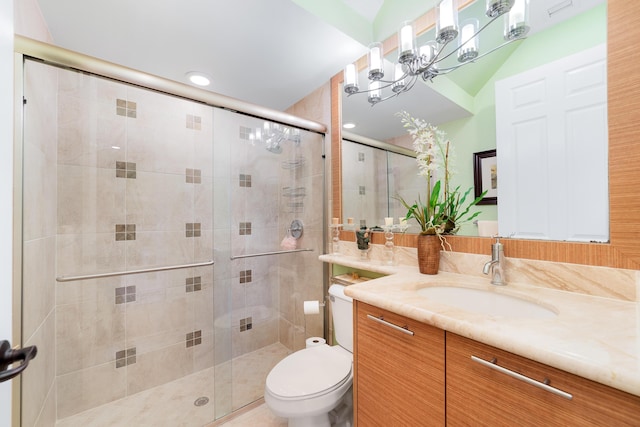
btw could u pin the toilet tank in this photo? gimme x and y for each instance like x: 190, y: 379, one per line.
x: 342, y: 314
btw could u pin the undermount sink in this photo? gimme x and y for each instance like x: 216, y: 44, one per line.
x: 486, y: 302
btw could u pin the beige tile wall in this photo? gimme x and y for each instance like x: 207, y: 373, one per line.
x: 304, y: 275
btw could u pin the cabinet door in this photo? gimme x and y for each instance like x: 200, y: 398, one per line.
x: 399, y: 376
x: 480, y: 395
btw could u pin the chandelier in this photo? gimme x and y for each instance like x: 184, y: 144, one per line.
x: 426, y: 61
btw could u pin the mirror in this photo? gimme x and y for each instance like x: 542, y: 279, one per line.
x: 470, y: 120
x: 623, y: 250
x: 373, y: 174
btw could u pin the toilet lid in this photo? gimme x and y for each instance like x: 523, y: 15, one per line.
x: 310, y: 371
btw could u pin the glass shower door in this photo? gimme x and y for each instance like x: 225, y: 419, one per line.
x: 269, y: 179
x: 117, y: 180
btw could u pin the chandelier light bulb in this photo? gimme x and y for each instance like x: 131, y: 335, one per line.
x: 447, y: 21
x: 516, y: 23
x: 351, y: 79
x: 407, y: 44
x: 376, y: 69
x: 517, y: 12
x: 426, y: 54
x: 398, y: 77
x: 468, y: 41
x: 374, y: 92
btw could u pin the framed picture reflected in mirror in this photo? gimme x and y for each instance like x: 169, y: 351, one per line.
x: 485, y: 176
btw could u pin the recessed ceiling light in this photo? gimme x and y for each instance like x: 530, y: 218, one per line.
x: 198, y: 78
x: 349, y: 125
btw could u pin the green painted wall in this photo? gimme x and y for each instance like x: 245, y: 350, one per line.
x: 478, y: 132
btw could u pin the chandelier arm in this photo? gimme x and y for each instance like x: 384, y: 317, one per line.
x: 455, y: 67
x: 411, y: 84
x: 435, y: 59
x: 388, y: 83
x: 404, y: 76
x: 406, y: 88
x: 386, y: 98
x: 466, y: 41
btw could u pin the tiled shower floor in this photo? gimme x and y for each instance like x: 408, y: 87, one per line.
x: 172, y: 404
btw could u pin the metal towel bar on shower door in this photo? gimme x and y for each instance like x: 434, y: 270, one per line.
x: 270, y: 253
x: 125, y: 273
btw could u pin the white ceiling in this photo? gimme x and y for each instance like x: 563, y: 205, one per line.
x: 267, y: 52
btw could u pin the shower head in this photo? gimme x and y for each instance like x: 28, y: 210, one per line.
x: 273, y: 144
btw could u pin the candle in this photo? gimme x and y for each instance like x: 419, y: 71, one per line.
x: 398, y: 72
x: 406, y: 38
x: 426, y: 51
x: 467, y: 39
x: 388, y: 221
x: 334, y: 221
x: 374, y: 92
x: 446, y: 14
x: 375, y: 56
x: 516, y: 14
x: 350, y: 75
x: 350, y: 221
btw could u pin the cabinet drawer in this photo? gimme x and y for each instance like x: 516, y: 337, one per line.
x: 399, y: 376
x: 478, y: 393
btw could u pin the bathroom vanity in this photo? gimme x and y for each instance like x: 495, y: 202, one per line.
x: 400, y: 380
x: 419, y: 361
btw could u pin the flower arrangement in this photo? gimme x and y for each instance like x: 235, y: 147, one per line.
x: 444, y: 209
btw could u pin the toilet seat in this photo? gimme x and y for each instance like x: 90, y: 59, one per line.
x: 308, y: 373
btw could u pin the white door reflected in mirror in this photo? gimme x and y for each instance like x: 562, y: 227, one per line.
x: 552, y: 140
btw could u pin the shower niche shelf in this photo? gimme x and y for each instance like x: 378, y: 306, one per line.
x: 294, y: 191
x: 294, y: 202
x: 296, y: 163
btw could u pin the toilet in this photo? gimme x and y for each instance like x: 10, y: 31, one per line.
x: 312, y: 387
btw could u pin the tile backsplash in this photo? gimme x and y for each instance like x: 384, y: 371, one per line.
x: 591, y: 280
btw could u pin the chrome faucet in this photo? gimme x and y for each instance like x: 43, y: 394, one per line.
x: 495, y: 265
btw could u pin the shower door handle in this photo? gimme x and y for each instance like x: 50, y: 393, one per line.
x: 8, y: 356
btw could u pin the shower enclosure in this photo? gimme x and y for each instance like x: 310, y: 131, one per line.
x: 154, y: 281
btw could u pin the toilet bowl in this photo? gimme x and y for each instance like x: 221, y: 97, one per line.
x: 308, y: 384
x: 312, y: 387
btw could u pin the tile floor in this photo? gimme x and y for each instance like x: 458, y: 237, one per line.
x: 259, y: 416
x: 172, y: 404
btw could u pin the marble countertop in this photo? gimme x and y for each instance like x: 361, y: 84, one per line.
x: 593, y: 337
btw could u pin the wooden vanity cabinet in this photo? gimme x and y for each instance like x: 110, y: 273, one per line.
x: 399, y: 375
x: 480, y: 395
